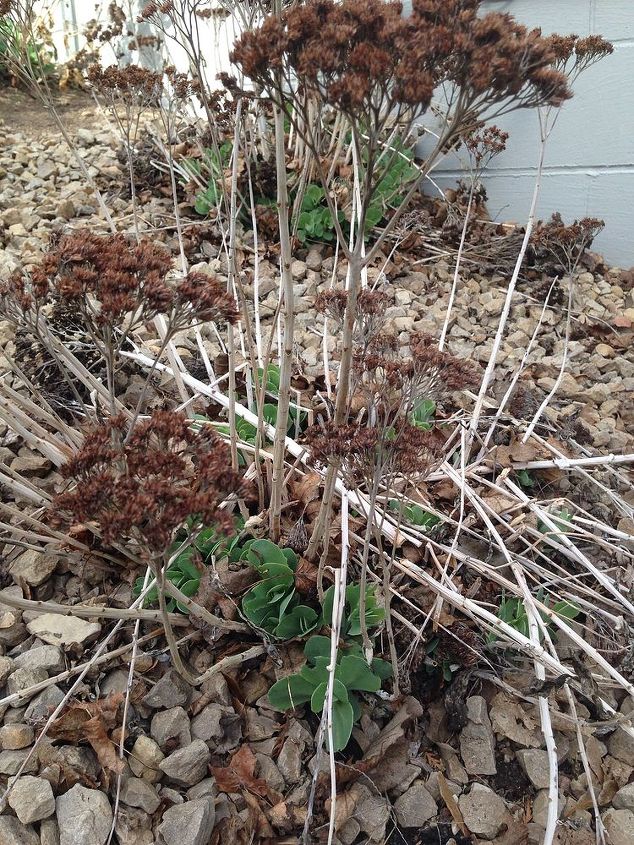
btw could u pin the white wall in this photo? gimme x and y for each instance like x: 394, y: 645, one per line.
x: 589, y: 165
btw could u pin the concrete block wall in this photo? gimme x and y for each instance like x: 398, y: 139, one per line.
x: 589, y: 164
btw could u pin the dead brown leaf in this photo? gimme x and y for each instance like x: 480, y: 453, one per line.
x: 451, y: 803
x: 239, y: 776
x: 306, y: 488
x: 90, y: 721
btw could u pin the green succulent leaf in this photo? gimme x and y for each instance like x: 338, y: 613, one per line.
x: 290, y: 692
x: 342, y: 722
x: 355, y: 673
x: 297, y: 623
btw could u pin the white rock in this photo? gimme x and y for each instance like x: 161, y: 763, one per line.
x: 32, y: 799
x: 190, y: 823
x: 63, y: 630
x: 84, y: 816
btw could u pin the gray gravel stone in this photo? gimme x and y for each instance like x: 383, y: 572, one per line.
x: 32, y: 799
x: 219, y: 725
x: 190, y: 823
x: 188, y: 765
x: 169, y: 691
x: 477, y: 743
x: 624, y: 798
x: 13, y: 832
x: 169, y: 725
x: 33, y: 567
x: 84, y: 816
x: 6, y: 667
x: 63, y: 630
x: 415, y: 807
x: 10, y: 762
x: 483, y: 810
x: 621, y: 746
x: 47, y: 657
x: 22, y: 679
x: 43, y: 704
x: 136, y: 792
x: 534, y: 761
x: 49, y: 832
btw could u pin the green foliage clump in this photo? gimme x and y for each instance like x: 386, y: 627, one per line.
x: 352, y: 673
x: 273, y: 604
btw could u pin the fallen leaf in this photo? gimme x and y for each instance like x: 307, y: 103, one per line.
x: 239, y: 775
x: 451, y: 803
x: 90, y: 721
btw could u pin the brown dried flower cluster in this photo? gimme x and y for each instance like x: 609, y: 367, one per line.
x: 576, y: 54
x: 106, y: 279
x: 131, y: 84
x: 363, y: 55
x: 565, y: 244
x: 143, y: 485
x: 369, y: 315
x: 486, y: 142
x: 404, y: 450
x: 392, y: 386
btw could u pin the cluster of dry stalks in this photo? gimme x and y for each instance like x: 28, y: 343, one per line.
x: 352, y: 79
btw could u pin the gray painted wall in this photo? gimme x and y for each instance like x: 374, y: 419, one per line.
x: 589, y: 165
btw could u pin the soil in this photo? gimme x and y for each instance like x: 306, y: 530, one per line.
x: 21, y: 111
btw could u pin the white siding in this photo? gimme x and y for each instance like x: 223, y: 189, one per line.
x: 589, y: 165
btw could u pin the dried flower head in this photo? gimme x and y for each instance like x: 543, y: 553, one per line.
x: 361, y: 55
x: 565, y: 244
x: 131, y: 84
x: 369, y: 315
x: 435, y: 374
x: 402, y: 450
x: 486, y: 142
x: 107, y: 280
x: 143, y: 485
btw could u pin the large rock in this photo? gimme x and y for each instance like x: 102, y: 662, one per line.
x: 169, y: 691
x: 188, y: 765
x: 483, y: 811
x: 63, y: 630
x: 415, y: 807
x: 190, y: 823
x: 32, y: 799
x: 477, y: 743
x: 13, y: 832
x: 84, y: 816
x: 619, y: 825
x: 33, y: 567
x: 534, y: 761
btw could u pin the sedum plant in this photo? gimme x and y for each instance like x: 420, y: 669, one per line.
x: 353, y: 673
